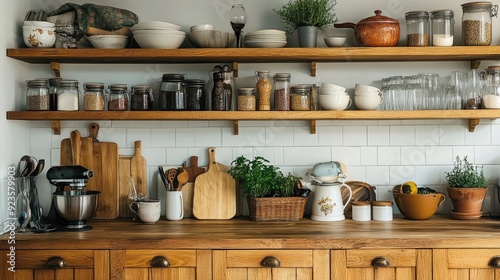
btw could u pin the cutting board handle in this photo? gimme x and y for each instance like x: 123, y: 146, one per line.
x: 212, y: 165
x: 138, y: 149
x: 75, y: 139
x: 193, y: 161
x: 93, y: 131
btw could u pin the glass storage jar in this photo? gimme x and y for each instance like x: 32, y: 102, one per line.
x: 93, y: 97
x: 173, y: 92
x: 264, y: 89
x: 282, y: 91
x: 117, y: 97
x: 382, y: 211
x: 299, y: 98
x: 417, y: 29
x: 37, y: 95
x: 53, y: 84
x: 246, y: 99
x: 221, y: 93
x: 443, y: 23
x: 67, y: 95
x: 196, y: 95
x: 141, y: 98
x: 491, y: 90
x: 476, y: 23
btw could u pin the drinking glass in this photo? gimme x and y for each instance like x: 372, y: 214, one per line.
x: 238, y: 19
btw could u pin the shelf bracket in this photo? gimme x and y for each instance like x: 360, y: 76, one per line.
x: 472, y: 124
x: 56, y: 67
x: 235, y: 127
x: 235, y: 69
x: 313, y: 68
x: 474, y: 64
x: 313, y: 126
x: 56, y: 127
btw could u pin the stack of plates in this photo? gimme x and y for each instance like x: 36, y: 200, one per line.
x: 266, y: 38
x: 158, y: 35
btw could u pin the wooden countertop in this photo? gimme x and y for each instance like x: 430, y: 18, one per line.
x: 241, y: 233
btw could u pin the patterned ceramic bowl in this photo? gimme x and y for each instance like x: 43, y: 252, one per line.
x: 39, y: 37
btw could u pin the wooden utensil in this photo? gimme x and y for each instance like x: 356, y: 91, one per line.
x: 85, y: 149
x: 182, y: 179
x: 214, y: 193
x: 75, y: 138
x: 193, y: 169
x: 171, y: 173
x: 138, y: 169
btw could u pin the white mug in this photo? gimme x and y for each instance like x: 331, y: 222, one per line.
x: 174, y: 210
x: 147, y: 210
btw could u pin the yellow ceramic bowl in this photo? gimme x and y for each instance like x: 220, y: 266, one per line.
x: 418, y: 206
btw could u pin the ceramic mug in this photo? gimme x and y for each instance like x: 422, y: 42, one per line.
x: 174, y: 210
x: 147, y: 210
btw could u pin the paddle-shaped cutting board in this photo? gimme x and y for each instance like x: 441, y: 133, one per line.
x: 214, y: 193
x: 193, y: 169
x: 72, y: 154
x: 125, y: 169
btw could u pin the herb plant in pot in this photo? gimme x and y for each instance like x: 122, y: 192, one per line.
x: 307, y: 16
x: 271, y: 195
x: 467, y: 189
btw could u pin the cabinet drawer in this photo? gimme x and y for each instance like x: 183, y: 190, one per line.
x: 395, y: 257
x: 472, y: 258
x: 253, y: 258
x: 35, y: 259
x: 175, y: 258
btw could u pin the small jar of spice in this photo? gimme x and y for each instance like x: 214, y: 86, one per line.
x: 141, y: 98
x: 37, y: 95
x: 264, y: 89
x: 246, y: 99
x: 117, y: 97
x: 282, y: 91
x: 93, y: 97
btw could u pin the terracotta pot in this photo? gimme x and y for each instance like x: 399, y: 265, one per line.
x: 467, y: 202
x: 375, y: 31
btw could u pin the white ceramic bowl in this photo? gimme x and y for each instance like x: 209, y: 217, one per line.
x: 367, y: 103
x: 331, y: 92
x: 159, y: 41
x: 368, y: 93
x: 108, y: 41
x: 39, y: 37
x: 44, y: 24
x: 334, y: 102
x: 360, y: 87
x: 335, y: 41
x: 205, y: 26
x: 158, y: 32
x: 211, y: 39
x: 332, y: 87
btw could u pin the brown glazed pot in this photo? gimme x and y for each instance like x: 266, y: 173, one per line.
x: 375, y: 31
x: 467, y: 202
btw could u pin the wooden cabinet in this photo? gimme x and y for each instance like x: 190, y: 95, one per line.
x: 57, y: 264
x: 470, y: 264
x: 377, y: 264
x: 271, y: 264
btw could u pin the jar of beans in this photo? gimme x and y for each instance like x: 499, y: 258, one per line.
x: 196, y: 95
x: 264, y: 89
x: 93, y: 97
x: 117, y: 97
x: 476, y: 23
x: 417, y: 29
x: 141, y: 98
x: 173, y: 92
x: 37, y: 95
x: 282, y: 91
x: 300, y: 98
x: 246, y: 99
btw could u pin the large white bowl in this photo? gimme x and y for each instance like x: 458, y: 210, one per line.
x: 211, y: 39
x: 39, y: 37
x: 360, y: 87
x: 368, y: 93
x: 205, y: 26
x: 44, y: 24
x: 159, y: 41
x: 108, y: 41
x: 334, y: 102
x: 158, y: 32
x: 367, y: 103
x: 154, y: 24
x: 332, y: 87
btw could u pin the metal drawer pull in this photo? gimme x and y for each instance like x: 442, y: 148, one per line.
x: 55, y: 262
x: 380, y: 262
x: 495, y: 262
x: 270, y: 261
x: 160, y: 261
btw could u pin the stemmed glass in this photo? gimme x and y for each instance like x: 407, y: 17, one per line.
x: 238, y: 18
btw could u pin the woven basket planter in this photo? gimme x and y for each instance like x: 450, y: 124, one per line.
x: 277, y: 209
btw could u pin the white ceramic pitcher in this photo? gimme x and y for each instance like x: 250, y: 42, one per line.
x: 327, y: 203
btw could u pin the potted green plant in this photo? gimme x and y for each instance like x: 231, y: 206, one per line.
x: 271, y: 195
x: 307, y: 16
x: 467, y: 189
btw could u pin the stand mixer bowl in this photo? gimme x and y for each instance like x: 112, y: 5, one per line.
x: 75, y: 207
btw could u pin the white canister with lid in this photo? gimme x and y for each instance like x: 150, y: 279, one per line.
x: 361, y: 211
x: 382, y: 211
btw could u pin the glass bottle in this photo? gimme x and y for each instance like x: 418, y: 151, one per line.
x: 93, y: 97
x: 264, y: 89
x: 246, y: 99
x: 67, y: 95
x: 53, y: 84
x: 141, y: 98
x: 455, y: 91
x: 196, y: 95
x: 476, y: 23
x: 37, y: 95
x: 443, y: 23
x: 299, y: 98
x: 473, y: 90
x: 227, y: 79
x: 417, y: 28
x: 173, y: 92
x: 117, y: 97
x: 282, y: 91
x: 219, y: 93
x: 430, y: 98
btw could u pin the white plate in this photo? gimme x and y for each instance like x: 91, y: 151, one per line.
x: 265, y: 37
x: 267, y: 32
x: 154, y: 25
x: 251, y: 44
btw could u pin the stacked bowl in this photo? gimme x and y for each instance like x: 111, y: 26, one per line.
x: 266, y: 38
x: 158, y: 35
x: 333, y: 97
x: 367, y: 97
x: 39, y: 34
x: 205, y: 36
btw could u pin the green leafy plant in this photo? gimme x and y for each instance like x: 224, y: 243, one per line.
x: 466, y: 175
x: 297, y: 13
x: 260, y: 179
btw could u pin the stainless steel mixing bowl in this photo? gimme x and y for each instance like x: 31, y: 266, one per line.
x: 76, y: 207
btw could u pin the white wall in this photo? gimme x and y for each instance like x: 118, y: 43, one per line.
x: 382, y: 153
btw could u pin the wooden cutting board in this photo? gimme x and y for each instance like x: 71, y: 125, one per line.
x: 193, y: 169
x: 83, y: 145
x: 214, y: 193
x: 127, y: 169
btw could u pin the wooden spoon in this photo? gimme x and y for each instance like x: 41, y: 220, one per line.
x: 182, y: 178
x: 171, y: 173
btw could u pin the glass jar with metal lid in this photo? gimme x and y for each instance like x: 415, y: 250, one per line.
x: 299, y: 98
x: 491, y: 90
x: 141, y: 98
x: 117, y: 99
x: 67, y: 95
x: 246, y: 99
x: 282, y: 91
x: 196, y: 95
x: 37, y: 95
x: 264, y: 89
x: 53, y: 84
x: 443, y: 24
x: 417, y: 29
x: 93, y: 97
x: 173, y: 92
x: 476, y: 23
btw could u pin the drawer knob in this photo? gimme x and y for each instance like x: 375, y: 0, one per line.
x: 270, y: 261
x: 495, y: 262
x: 160, y: 261
x: 55, y: 262
x: 380, y: 262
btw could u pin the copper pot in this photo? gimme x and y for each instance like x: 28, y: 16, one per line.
x: 375, y: 31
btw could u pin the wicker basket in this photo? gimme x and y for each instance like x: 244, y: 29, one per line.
x: 277, y: 209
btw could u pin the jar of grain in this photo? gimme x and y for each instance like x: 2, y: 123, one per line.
x: 443, y: 23
x: 93, y: 97
x: 196, y: 95
x: 53, y: 84
x: 37, y: 95
x: 417, y: 28
x: 476, y: 23
x: 173, y: 92
x: 299, y: 98
x: 141, y: 98
x: 264, y: 89
x: 117, y: 97
x: 67, y: 95
x: 282, y: 91
x: 246, y: 99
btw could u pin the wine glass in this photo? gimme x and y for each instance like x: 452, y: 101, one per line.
x: 238, y: 18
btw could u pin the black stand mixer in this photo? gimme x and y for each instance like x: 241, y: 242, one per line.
x: 74, y: 207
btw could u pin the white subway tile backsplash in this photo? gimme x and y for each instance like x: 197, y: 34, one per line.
x: 378, y: 135
x: 154, y: 156
x: 197, y: 124
x: 41, y: 138
x: 56, y: 141
x: 176, y: 156
x: 273, y: 154
x: 384, y: 193
x: 480, y: 137
x: 136, y: 134
x: 279, y: 136
x: 487, y: 155
x: 402, y: 135
x: 123, y: 124
x: 329, y: 135
x: 427, y: 135
x: 185, y: 137
x: 463, y: 151
x: 55, y: 158
x: 305, y: 155
x: 389, y: 156
x: 207, y: 137
x: 247, y: 136
x: 368, y: 156
x: 146, y: 124
x: 427, y: 175
x: 438, y: 155
x: 113, y: 134
x: 357, y: 173
x: 451, y: 135
x: 354, y: 136
x: 495, y: 134
x: 400, y: 174
x: 377, y: 175
x: 347, y: 155
x: 224, y: 155
x: 302, y: 136
x: 173, y: 124
x: 162, y: 137
x: 413, y: 155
